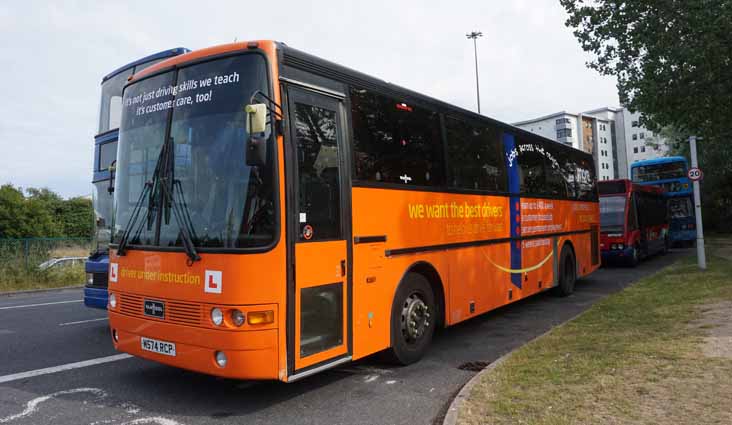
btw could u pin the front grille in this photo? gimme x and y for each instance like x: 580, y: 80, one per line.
x: 100, y: 280
x: 179, y: 312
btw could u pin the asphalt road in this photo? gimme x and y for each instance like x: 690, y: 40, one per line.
x: 50, y: 329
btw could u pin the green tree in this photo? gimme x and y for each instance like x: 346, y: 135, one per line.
x: 22, y: 217
x: 672, y: 60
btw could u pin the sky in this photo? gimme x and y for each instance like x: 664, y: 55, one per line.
x: 53, y: 56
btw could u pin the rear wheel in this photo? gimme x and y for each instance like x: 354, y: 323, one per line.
x: 567, y: 273
x: 413, y: 318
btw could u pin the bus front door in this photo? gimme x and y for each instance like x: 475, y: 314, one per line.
x: 318, y: 307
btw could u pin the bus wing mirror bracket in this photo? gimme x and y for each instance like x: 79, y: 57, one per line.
x: 256, y: 121
x: 112, y: 171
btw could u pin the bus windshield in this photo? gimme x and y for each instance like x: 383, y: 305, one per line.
x: 612, y: 213
x: 199, y: 110
x: 651, y: 173
x: 680, y: 207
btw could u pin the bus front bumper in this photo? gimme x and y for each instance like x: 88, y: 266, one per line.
x: 250, y: 354
x: 95, y: 297
x: 609, y: 255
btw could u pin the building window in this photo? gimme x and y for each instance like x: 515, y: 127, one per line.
x: 634, y: 124
x: 642, y: 136
x: 564, y: 132
x: 562, y: 121
x: 643, y: 148
x: 635, y: 137
x: 635, y: 150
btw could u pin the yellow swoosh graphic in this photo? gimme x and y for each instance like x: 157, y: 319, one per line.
x: 524, y: 270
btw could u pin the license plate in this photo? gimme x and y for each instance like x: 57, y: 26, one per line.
x: 160, y: 347
x: 155, y: 309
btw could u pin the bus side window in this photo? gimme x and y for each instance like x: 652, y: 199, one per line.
x: 632, y: 213
x: 395, y: 142
x: 475, y: 156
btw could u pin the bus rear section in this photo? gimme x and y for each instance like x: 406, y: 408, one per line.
x: 670, y: 175
x: 352, y: 217
x: 634, y: 221
x: 105, y: 156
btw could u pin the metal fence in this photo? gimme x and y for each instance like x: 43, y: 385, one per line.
x: 31, y: 253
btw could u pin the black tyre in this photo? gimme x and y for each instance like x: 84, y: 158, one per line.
x: 567, y: 273
x: 413, y: 319
x: 666, y: 245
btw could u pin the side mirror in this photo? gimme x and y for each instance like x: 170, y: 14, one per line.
x: 256, y: 149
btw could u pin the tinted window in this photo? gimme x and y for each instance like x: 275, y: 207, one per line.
x: 532, y: 179
x: 107, y: 154
x: 110, y: 110
x: 586, y: 178
x: 319, y: 188
x: 395, y: 142
x: 474, y: 156
x: 555, y: 160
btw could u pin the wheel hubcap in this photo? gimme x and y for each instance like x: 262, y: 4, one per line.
x: 415, y: 318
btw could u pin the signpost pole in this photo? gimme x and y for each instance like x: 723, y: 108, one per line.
x: 700, y: 255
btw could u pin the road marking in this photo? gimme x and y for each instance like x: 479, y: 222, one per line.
x: 41, y: 304
x: 82, y: 321
x: 32, y: 406
x: 153, y: 420
x: 61, y: 368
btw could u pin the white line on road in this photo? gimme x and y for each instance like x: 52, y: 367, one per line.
x: 32, y: 406
x: 82, y: 321
x: 61, y: 368
x: 41, y: 304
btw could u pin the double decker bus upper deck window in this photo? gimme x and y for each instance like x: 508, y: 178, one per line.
x: 395, y: 142
x: 190, y: 125
x: 669, y: 170
x: 110, y: 108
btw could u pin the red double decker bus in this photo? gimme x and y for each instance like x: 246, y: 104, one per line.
x: 634, y: 221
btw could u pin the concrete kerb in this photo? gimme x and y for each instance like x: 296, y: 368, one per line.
x: 452, y: 412
x: 37, y: 291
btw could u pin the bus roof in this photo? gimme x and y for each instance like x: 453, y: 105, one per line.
x: 657, y: 161
x: 291, y: 56
x: 164, y: 54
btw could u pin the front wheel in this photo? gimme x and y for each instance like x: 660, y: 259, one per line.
x: 413, y: 318
x: 634, y: 256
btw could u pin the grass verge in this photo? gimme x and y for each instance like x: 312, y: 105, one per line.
x: 21, y: 279
x: 636, y: 357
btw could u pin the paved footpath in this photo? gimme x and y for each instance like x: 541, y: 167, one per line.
x: 57, y: 365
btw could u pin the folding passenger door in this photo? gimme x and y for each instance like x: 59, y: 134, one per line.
x: 319, y: 229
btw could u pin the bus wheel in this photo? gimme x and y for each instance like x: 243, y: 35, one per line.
x: 413, y: 319
x: 567, y: 273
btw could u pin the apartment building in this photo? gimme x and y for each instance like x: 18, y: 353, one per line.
x: 614, y: 136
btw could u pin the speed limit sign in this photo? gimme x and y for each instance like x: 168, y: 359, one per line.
x: 695, y: 174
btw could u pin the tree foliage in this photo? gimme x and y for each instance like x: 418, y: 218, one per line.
x: 42, y: 213
x: 672, y: 60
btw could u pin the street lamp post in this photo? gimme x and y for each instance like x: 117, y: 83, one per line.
x: 474, y: 36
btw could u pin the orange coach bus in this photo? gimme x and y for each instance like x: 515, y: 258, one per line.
x: 277, y: 214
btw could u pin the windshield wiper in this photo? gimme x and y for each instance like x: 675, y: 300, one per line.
x: 159, y: 184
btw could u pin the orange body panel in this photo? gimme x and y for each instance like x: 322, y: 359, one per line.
x: 474, y: 272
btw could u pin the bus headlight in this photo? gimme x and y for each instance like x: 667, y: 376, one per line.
x: 621, y: 246
x: 89, y: 278
x: 217, y: 317
x: 614, y: 246
x: 237, y: 317
x: 112, y: 300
